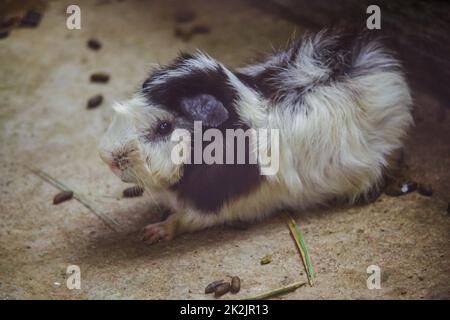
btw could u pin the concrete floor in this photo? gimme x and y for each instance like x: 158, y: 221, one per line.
x: 44, y: 85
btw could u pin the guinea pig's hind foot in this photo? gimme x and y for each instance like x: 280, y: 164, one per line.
x: 165, y: 230
x: 175, y: 224
x: 155, y: 232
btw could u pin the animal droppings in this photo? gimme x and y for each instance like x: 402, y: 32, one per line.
x: 210, y: 288
x: 221, y: 289
x: 235, y: 284
x: 100, y: 77
x: 62, y: 196
x: 94, y: 102
x: 133, y: 192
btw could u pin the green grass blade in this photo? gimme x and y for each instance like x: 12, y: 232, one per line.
x: 301, y: 245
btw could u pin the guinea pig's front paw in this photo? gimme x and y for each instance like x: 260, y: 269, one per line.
x: 155, y: 232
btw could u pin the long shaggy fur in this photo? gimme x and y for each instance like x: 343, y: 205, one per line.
x: 340, y: 102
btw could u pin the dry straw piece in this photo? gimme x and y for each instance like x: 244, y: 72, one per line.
x: 269, y: 294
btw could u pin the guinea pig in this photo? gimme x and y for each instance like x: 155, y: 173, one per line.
x: 339, y: 103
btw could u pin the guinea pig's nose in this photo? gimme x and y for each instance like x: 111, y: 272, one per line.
x: 120, y: 160
x: 118, y: 163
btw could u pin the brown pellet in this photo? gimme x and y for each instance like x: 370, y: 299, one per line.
x: 94, y: 102
x: 132, y: 192
x: 425, y: 189
x: 94, y: 44
x: 62, y: 196
x: 210, y: 288
x: 201, y: 29
x: 9, y: 23
x: 31, y: 19
x: 235, y: 285
x: 4, y: 34
x: 221, y: 289
x: 100, y: 77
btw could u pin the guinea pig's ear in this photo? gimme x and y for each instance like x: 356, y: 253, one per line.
x: 205, y: 108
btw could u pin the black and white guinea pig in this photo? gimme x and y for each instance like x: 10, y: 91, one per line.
x: 339, y: 101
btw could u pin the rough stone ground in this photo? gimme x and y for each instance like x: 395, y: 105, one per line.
x: 44, y: 85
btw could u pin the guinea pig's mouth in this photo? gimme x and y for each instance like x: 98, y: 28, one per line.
x: 120, y: 166
x: 123, y: 173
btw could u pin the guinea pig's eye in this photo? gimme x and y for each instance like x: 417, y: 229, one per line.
x: 164, y: 127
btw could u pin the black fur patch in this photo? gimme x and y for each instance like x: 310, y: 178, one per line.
x: 170, y: 93
x: 207, y: 187
x: 263, y: 82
